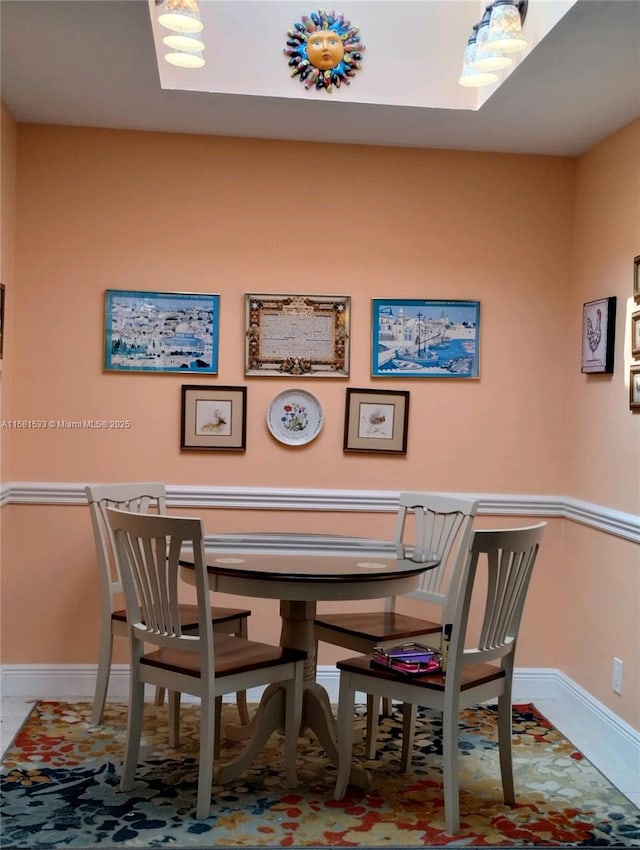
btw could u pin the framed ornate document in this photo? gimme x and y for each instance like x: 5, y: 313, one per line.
x: 291, y: 335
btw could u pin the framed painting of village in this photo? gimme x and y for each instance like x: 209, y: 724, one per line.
x: 413, y: 338
x: 161, y: 331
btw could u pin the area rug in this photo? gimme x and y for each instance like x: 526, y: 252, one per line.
x: 60, y: 789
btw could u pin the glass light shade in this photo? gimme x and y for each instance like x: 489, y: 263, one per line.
x: 505, y: 29
x: 181, y: 16
x: 486, y: 58
x: 185, y: 60
x: 184, y: 42
x: 471, y: 77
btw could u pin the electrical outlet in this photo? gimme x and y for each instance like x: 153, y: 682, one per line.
x: 617, y: 675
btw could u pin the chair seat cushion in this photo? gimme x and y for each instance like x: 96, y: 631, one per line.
x: 472, y: 674
x: 189, y: 615
x: 232, y: 655
x: 377, y: 626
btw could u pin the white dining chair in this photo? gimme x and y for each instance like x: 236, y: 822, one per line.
x: 426, y: 523
x: 206, y: 664
x: 138, y: 497
x: 498, y: 567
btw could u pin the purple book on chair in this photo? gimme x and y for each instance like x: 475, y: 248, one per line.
x: 412, y: 659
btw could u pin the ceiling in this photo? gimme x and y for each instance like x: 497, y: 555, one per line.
x: 93, y: 63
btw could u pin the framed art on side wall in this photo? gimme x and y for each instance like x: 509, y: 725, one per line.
x: 425, y: 339
x: 635, y: 335
x: 376, y: 421
x: 214, y: 418
x: 598, y: 335
x: 636, y: 279
x: 634, y: 388
x: 161, y: 331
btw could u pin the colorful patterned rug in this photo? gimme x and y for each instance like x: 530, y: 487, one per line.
x: 60, y: 789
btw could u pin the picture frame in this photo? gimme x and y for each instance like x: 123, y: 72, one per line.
x: 635, y: 334
x: 376, y: 421
x: 416, y: 338
x: 1, y: 319
x: 598, y: 335
x: 297, y: 335
x: 634, y: 388
x: 213, y: 418
x: 636, y: 279
x: 149, y: 331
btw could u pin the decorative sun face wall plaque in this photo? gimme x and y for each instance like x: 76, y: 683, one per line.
x: 324, y: 50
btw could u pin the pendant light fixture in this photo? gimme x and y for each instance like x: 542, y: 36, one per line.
x: 180, y: 15
x: 498, y: 33
x: 185, y: 42
x: 472, y: 77
x: 505, y: 26
x: 487, y: 58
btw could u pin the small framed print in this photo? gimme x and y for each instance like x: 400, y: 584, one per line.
x: 161, y: 331
x: 634, y: 388
x: 635, y: 335
x: 214, y: 418
x: 636, y: 279
x: 598, y: 335
x: 376, y: 421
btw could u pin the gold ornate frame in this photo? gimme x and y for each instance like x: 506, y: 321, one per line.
x: 297, y: 335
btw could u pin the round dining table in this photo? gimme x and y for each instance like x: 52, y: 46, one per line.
x: 299, y: 581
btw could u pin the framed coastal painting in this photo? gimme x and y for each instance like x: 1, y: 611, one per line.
x: 412, y: 338
x: 161, y: 331
x: 598, y: 335
x: 376, y: 421
x: 297, y: 335
x: 214, y: 417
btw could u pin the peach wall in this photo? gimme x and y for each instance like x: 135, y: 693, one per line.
x: 607, y: 237
x: 135, y: 210
x: 601, y: 573
x: 104, y: 209
x: 8, y: 141
x: 8, y: 138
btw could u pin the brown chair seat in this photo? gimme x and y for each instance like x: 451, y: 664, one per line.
x: 189, y: 615
x: 378, y: 626
x: 232, y: 655
x: 471, y: 675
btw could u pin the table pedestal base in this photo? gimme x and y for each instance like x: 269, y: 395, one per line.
x: 317, y: 717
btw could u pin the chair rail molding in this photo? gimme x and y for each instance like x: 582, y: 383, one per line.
x: 609, y: 520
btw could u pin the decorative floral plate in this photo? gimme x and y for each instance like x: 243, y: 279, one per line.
x: 294, y: 417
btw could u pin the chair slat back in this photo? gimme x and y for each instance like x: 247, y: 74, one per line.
x: 148, y: 551
x: 508, y: 557
x: 442, y: 524
x: 139, y: 497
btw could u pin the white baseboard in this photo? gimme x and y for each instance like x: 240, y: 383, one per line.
x: 577, y: 714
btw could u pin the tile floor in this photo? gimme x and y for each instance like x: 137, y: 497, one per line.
x: 15, y: 709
